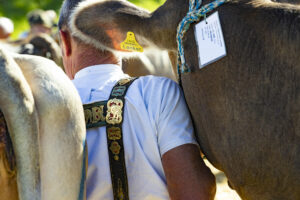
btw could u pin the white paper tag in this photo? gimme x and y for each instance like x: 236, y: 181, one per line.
x: 210, y: 40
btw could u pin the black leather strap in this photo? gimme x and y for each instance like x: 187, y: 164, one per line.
x: 113, y: 110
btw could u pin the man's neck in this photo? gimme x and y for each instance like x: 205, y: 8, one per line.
x: 90, y: 57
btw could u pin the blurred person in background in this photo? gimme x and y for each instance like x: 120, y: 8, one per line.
x: 40, y: 21
x: 6, y: 28
x: 40, y: 40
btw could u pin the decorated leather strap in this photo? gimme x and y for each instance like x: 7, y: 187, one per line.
x: 110, y: 114
x: 94, y: 114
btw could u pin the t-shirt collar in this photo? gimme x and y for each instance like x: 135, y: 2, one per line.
x: 103, y: 69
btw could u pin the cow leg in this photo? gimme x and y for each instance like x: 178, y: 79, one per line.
x: 8, y: 182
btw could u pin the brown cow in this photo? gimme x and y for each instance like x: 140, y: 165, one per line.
x: 246, y: 106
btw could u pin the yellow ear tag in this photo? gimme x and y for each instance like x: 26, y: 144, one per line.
x: 130, y: 43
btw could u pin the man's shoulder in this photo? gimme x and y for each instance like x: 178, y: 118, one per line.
x: 154, y: 87
x: 151, y: 80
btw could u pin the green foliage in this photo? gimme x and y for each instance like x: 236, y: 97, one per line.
x: 148, y: 4
x: 17, y: 9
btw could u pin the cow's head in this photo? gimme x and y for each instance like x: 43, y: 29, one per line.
x: 107, y: 24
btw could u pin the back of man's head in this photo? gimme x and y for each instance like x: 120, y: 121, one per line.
x: 6, y: 27
x: 83, y: 48
x: 66, y: 11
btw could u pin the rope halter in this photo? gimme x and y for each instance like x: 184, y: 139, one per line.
x: 194, y: 15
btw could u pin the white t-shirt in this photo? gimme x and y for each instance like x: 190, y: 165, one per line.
x: 156, y: 120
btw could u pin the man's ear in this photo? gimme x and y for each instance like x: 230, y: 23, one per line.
x: 66, y: 42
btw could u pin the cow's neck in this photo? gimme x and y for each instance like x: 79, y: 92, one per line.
x: 164, y: 22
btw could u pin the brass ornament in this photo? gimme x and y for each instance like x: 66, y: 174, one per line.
x: 115, y: 149
x: 88, y: 115
x: 114, y: 111
x: 114, y: 133
x: 124, y: 81
x: 98, y: 114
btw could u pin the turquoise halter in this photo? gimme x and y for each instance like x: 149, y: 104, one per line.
x: 194, y: 15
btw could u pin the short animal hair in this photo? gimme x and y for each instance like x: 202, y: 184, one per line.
x: 66, y: 11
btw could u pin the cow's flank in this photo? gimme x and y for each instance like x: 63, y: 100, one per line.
x: 45, y: 120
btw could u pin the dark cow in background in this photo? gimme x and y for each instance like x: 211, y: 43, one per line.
x: 40, y: 45
x: 246, y: 106
x: 43, y: 45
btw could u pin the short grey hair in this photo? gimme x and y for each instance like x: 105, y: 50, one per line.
x: 66, y: 11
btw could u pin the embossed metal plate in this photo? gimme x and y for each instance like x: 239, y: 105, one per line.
x: 114, y: 111
x: 114, y: 133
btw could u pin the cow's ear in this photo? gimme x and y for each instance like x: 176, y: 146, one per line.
x: 111, y: 25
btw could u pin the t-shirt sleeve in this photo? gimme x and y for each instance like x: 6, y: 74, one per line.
x: 174, y: 122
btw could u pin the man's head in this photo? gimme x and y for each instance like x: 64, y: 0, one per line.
x: 76, y: 53
x: 66, y: 11
x: 6, y: 27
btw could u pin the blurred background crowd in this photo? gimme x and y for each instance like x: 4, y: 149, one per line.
x: 40, y: 38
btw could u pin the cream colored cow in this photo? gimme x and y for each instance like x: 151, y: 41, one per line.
x: 45, y: 121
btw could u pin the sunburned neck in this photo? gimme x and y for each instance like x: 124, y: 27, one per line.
x: 92, y: 57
